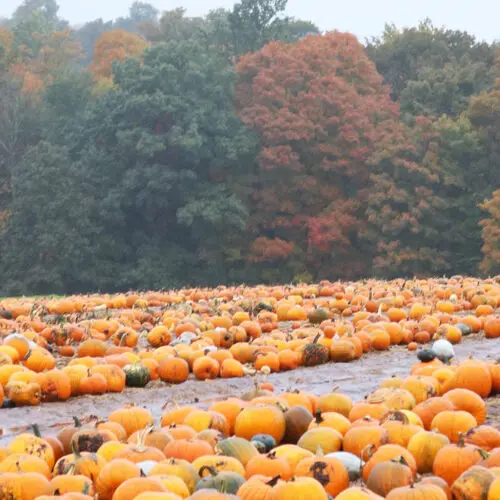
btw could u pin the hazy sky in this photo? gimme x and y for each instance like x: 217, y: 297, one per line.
x: 362, y: 17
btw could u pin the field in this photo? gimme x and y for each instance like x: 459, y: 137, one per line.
x: 284, y: 361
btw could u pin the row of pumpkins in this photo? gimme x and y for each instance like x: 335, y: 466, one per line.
x: 424, y: 436
x: 40, y: 361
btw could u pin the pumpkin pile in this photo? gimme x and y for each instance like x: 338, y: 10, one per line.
x: 54, y: 349
x: 423, y: 436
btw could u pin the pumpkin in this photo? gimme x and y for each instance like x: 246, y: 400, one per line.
x: 239, y: 448
x: 454, y: 459
x: 331, y: 419
x: 85, y: 464
x: 21, y: 462
x: 387, y: 453
x: 225, y: 482
x: 465, y: 400
x: 268, y: 464
x: 260, y: 419
x: 315, y: 354
x: 230, y: 408
x: 301, y: 488
x: 386, y: 476
x: 205, y: 368
x: 356, y: 493
x: 493, y: 493
x: 484, y: 436
x: 114, y: 375
x: 426, y: 355
x: 473, y: 483
x: 180, y: 468
x: 334, y: 402
x: 258, y: 488
x: 453, y: 424
x: 132, y: 418
x: 33, y: 445
x: 131, y: 488
x: 93, y: 384
x: 55, y: 385
x: 200, y: 420
x: 297, y: 420
x: 173, y: 484
x: 328, y: 471
x: 173, y: 370
x: 24, y: 394
x: 188, y: 450
x: 429, y: 408
x: 358, y: 438
x: 139, y: 452
x: 91, y: 439
x: 112, y: 475
x: 474, y: 376
x: 65, y: 435
x: 417, y: 492
x: 71, y: 483
x: 136, y: 375
x: 329, y: 440
x: 264, y: 443
x: 424, y: 447
x: 219, y: 463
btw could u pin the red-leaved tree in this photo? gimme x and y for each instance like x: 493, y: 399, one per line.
x: 316, y: 106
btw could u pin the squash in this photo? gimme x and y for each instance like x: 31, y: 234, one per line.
x: 137, y: 375
x: 237, y: 447
x: 314, y: 353
x: 426, y: 355
x: 224, y: 482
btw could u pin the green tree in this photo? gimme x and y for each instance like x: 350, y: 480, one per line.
x: 432, y: 70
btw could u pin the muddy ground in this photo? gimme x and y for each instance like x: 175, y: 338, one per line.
x: 357, y: 379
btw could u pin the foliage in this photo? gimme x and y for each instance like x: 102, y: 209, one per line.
x: 432, y: 70
x: 114, y: 46
x: 491, y: 234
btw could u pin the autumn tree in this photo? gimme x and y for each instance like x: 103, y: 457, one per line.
x: 114, y: 46
x: 315, y: 105
x: 491, y: 234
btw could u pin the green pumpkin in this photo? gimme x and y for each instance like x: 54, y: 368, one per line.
x: 137, y: 375
x: 224, y: 482
x: 318, y: 315
x: 264, y: 443
x: 238, y: 448
x: 315, y: 354
x: 465, y: 329
x: 426, y: 355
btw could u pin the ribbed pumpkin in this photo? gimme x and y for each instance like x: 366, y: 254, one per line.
x: 329, y: 472
x: 424, y: 448
x: 260, y: 419
x: 180, y: 468
x: 417, y: 492
x: 484, y: 436
x: 465, y: 400
x: 454, y: 459
x: 358, y: 438
x: 387, y: 453
x: 239, y: 448
x: 334, y: 402
x: 473, y: 483
x: 303, y: 488
x: 429, y: 408
x: 268, y: 464
x: 329, y: 440
x: 386, y: 476
x: 33, y: 445
x: 258, y: 488
x: 132, y: 418
x: 453, y: 424
x: 331, y: 419
x: 224, y: 482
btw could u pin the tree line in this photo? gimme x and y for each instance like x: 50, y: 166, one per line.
x: 162, y: 150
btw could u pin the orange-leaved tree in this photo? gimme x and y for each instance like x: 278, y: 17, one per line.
x: 315, y: 105
x: 491, y: 234
x: 113, y: 46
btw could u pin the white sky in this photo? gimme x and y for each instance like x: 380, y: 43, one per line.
x: 364, y: 18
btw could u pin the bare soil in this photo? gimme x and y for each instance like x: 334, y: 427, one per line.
x: 357, y: 379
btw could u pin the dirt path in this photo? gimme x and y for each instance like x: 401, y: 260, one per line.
x: 356, y: 379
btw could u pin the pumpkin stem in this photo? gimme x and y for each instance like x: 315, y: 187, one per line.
x: 77, y: 422
x: 484, y: 454
x: 461, y: 441
x: 319, y: 452
x: 36, y: 430
x: 274, y: 481
x: 210, y: 469
x: 315, y: 341
x: 318, y: 416
x: 75, y: 450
